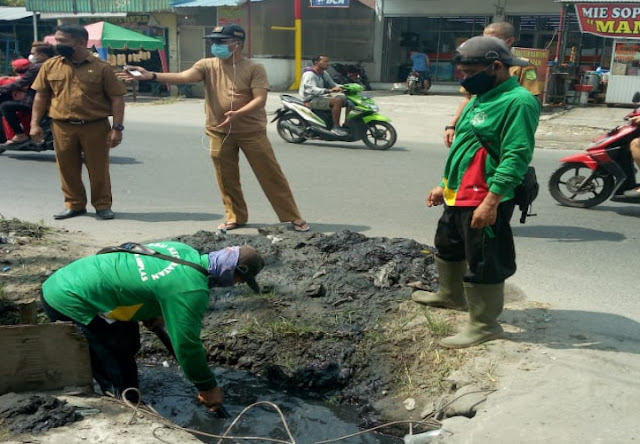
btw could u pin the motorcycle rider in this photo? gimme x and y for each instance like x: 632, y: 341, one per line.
x: 319, y: 91
x: 634, y: 146
x: 422, y: 65
x: 40, y: 52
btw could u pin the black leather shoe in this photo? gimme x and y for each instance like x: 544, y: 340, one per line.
x: 67, y: 213
x: 105, y: 214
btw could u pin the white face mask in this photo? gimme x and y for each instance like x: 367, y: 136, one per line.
x: 32, y: 58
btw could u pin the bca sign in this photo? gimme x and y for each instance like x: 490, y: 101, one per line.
x: 329, y: 3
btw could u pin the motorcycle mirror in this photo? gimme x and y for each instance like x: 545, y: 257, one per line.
x: 636, y: 98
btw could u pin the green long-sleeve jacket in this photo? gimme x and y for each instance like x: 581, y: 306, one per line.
x: 132, y: 287
x: 506, y: 118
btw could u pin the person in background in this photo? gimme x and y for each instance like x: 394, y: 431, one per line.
x: 526, y: 75
x: 634, y: 146
x: 83, y: 91
x: 421, y: 64
x: 106, y: 295
x: 235, y: 97
x: 487, y: 161
x: 319, y: 91
x: 23, y: 101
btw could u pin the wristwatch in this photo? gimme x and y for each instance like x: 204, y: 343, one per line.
x: 448, y: 127
x: 117, y: 127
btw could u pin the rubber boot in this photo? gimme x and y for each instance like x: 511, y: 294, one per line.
x: 451, y: 292
x: 485, y: 303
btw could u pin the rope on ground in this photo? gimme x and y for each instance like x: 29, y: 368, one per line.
x: 147, y: 410
x: 423, y: 422
x: 441, y: 409
x: 428, y: 421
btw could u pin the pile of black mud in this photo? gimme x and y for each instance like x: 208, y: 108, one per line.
x: 9, y: 312
x: 31, y: 413
x: 319, y: 325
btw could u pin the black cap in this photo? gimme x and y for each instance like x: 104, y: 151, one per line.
x: 250, y: 263
x: 227, y: 32
x: 486, y: 50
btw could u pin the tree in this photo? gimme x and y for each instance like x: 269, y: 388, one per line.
x: 12, y: 2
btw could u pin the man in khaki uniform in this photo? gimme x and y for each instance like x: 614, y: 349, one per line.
x: 527, y: 75
x: 83, y: 91
x: 236, y: 94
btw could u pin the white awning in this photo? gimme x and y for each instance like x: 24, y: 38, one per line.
x: 63, y: 15
x: 207, y: 3
x: 10, y: 13
x: 597, y: 1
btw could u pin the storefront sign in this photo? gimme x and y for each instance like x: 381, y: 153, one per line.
x: 329, y: 3
x: 537, y: 57
x: 229, y: 15
x: 620, y: 20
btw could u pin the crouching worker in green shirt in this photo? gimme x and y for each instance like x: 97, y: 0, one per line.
x: 488, y: 159
x: 107, y: 294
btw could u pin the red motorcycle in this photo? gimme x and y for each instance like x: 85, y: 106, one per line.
x: 605, y: 170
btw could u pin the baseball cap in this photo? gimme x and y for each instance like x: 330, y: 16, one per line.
x: 226, y: 32
x: 250, y: 263
x: 486, y: 50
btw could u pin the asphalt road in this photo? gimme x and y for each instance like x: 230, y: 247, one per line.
x: 163, y: 185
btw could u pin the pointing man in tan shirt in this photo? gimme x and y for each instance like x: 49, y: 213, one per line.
x: 235, y: 97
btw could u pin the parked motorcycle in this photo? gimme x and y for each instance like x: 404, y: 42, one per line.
x: 415, y: 83
x: 297, y: 122
x: 605, y: 170
x: 345, y: 73
x: 46, y: 145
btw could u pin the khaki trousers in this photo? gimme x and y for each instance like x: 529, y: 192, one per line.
x: 257, y: 149
x: 75, y: 144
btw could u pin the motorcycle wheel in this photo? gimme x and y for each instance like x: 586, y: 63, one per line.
x: 565, y: 181
x: 413, y: 88
x: 287, y: 135
x: 379, y: 135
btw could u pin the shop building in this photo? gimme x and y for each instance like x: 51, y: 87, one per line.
x: 438, y: 27
x: 617, y: 25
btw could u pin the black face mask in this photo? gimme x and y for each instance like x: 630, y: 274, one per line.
x: 479, y: 83
x: 65, y: 51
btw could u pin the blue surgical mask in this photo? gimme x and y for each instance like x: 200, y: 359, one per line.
x: 220, y: 51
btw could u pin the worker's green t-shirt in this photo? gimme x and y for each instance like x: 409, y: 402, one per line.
x: 133, y: 287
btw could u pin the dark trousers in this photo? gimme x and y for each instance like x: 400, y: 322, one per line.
x: 8, y: 110
x: 490, y: 251
x: 112, y: 348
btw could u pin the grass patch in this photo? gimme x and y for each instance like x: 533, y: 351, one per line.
x: 437, y: 325
x: 23, y: 229
x: 277, y: 329
x: 284, y: 327
x: 374, y: 337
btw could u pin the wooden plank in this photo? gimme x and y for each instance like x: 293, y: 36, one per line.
x: 28, y: 312
x: 43, y: 357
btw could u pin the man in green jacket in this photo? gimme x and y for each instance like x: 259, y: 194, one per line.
x: 488, y: 159
x: 107, y: 294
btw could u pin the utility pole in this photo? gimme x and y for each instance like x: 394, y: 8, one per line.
x: 297, y: 28
x: 35, y: 26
